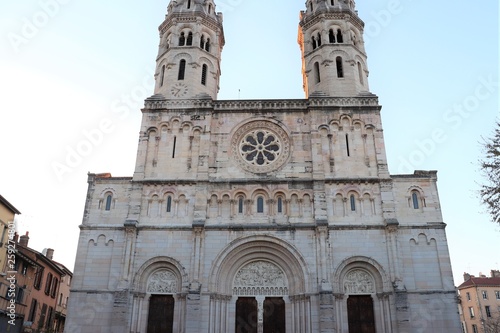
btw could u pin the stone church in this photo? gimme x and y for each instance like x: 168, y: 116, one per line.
x: 262, y: 215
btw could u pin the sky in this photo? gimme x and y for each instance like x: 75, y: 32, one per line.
x: 68, y: 66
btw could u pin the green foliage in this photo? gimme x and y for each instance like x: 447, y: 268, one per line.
x: 490, y: 167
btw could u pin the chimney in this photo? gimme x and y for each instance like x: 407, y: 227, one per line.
x: 50, y: 253
x: 23, y: 240
x: 466, y: 277
x: 16, y: 237
x: 495, y: 273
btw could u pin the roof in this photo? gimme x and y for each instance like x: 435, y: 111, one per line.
x: 9, y: 205
x: 37, y: 256
x: 481, y: 282
x: 64, y: 268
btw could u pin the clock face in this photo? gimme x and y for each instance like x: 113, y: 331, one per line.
x: 179, y: 90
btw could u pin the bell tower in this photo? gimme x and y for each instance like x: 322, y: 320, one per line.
x: 333, y: 52
x: 191, y: 42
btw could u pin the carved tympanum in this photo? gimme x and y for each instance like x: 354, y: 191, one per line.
x: 162, y: 282
x: 358, y: 282
x: 260, y: 278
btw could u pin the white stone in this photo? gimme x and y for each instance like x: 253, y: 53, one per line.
x: 316, y: 219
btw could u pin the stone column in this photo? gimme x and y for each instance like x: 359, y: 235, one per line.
x: 260, y: 313
x: 339, y: 306
x: 219, y: 207
x: 197, y: 259
x: 182, y: 313
x: 137, y: 310
x: 392, y: 249
x: 128, y: 258
x: 301, y: 314
x: 385, y: 312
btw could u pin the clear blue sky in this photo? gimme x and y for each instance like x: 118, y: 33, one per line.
x: 434, y: 66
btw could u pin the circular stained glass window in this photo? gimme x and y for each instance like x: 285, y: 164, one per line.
x: 260, y: 146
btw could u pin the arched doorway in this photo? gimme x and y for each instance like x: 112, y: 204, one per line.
x: 363, y: 293
x: 161, y: 285
x: 260, y: 288
x: 359, y: 285
x: 258, y: 285
x: 159, y: 303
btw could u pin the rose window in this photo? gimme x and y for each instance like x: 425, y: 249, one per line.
x: 260, y: 146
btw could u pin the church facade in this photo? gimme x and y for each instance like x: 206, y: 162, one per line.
x: 262, y: 215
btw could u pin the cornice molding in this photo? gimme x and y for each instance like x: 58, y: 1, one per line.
x: 345, y: 15
x: 192, y: 17
x: 158, y: 103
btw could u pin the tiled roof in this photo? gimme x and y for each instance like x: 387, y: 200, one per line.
x: 9, y: 205
x: 484, y: 282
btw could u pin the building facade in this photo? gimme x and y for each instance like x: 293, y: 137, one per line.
x: 43, y: 284
x: 480, y: 303
x: 29, y: 289
x: 262, y: 215
x: 62, y: 298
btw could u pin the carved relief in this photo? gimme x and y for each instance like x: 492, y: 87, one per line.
x: 162, y: 282
x: 358, y: 282
x: 260, y: 278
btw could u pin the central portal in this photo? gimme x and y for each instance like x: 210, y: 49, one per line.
x: 250, y: 312
x: 261, y: 287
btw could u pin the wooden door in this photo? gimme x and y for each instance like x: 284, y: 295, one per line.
x: 246, y: 315
x: 161, y: 314
x: 360, y: 314
x: 274, y: 315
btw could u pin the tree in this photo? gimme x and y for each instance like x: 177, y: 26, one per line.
x: 490, y: 167
x: 492, y: 325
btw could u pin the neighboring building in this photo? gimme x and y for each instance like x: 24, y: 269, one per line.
x: 480, y: 303
x: 44, y: 285
x: 262, y: 215
x: 37, y: 287
x: 63, y: 297
x: 25, y: 271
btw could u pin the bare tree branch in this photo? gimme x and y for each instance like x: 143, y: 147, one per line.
x: 490, y: 169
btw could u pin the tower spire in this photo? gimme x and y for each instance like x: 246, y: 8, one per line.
x: 334, y: 61
x: 191, y: 42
